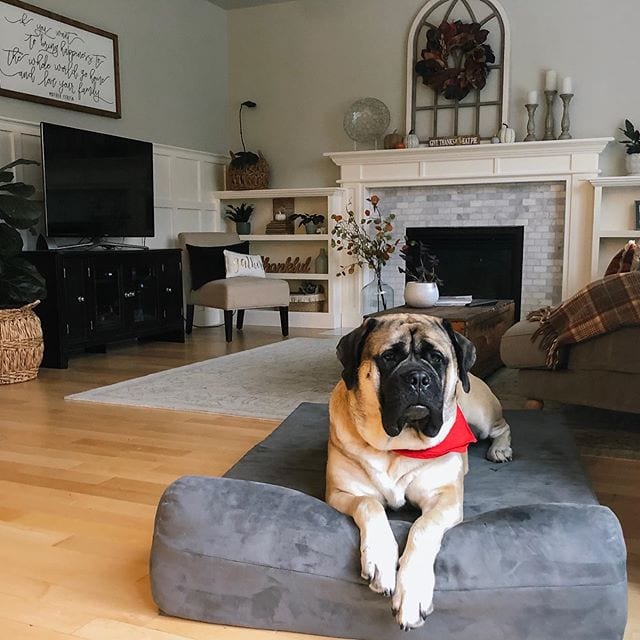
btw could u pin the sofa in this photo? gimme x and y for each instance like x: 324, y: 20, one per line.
x: 602, y: 372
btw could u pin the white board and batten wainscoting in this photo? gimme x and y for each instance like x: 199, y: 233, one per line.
x: 184, y: 184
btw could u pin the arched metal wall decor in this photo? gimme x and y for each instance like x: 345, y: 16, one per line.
x: 481, y: 111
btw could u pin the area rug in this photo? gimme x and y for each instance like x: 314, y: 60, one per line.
x: 271, y: 381
x: 265, y: 382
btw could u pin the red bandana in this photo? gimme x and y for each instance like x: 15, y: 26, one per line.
x: 457, y: 441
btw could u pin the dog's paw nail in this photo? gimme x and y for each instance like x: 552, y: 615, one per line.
x: 394, y: 611
x: 423, y: 614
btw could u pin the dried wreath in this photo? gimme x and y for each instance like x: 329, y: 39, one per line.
x: 464, y: 43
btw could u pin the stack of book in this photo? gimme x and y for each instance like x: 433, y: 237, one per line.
x: 453, y: 301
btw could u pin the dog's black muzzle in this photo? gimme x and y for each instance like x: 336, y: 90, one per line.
x: 411, y: 396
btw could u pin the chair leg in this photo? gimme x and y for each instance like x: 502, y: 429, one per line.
x: 240, y: 318
x: 228, y: 325
x: 189, y: 324
x: 284, y: 320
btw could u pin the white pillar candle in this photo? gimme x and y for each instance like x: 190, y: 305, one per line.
x: 551, y: 81
x: 567, y: 85
x: 532, y: 97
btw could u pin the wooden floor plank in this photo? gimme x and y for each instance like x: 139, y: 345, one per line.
x: 79, y: 483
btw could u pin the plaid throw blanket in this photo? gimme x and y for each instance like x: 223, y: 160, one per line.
x: 601, y: 307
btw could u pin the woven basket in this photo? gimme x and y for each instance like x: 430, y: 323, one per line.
x: 254, y: 177
x: 306, y: 301
x: 21, y: 344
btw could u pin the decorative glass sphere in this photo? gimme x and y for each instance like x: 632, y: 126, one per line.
x: 366, y: 120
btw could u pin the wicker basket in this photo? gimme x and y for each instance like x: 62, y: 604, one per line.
x: 306, y: 301
x: 21, y: 344
x: 253, y: 177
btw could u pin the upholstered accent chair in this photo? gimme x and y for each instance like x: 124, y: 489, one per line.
x: 230, y: 294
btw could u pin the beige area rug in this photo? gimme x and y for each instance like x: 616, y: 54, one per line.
x: 265, y: 382
x: 271, y: 381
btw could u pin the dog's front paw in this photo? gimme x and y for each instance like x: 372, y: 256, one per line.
x: 379, y: 559
x: 413, y: 599
x: 499, y: 452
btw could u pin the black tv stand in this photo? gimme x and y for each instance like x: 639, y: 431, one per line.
x: 98, y: 297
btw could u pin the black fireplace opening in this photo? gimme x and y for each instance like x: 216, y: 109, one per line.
x: 484, y: 262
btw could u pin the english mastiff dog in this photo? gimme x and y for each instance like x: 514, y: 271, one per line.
x: 398, y: 434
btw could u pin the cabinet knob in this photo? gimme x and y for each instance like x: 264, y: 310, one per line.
x: 80, y: 298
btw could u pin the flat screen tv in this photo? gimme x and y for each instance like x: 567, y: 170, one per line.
x: 96, y: 185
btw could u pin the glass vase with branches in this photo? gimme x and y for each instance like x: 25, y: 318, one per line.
x: 366, y: 241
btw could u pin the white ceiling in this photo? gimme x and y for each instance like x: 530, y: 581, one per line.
x: 238, y: 4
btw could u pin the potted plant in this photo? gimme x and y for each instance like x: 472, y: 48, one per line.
x: 247, y: 170
x: 421, y: 289
x: 310, y: 221
x: 633, y: 148
x: 369, y: 242
x: 21, y: 286
x: 241, y: 216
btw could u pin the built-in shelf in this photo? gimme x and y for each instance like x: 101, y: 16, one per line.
x: 298, y: 276
x: 620, y: 233
x: 260, y: 194
x: 297, y: 237
x: 294, y: 247
x: 614, y: 209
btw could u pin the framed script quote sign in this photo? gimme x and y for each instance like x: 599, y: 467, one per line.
x: 47, y: 58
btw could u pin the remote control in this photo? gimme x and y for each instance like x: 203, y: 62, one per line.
x: 481, y: 303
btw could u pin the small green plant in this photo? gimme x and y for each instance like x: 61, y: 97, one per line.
x: 420, y: 264
x: 241, y: 213
x: 20, y: 282
x: 306, y: 218
x: 633, y: 138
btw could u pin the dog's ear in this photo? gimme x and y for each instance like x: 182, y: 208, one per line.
x: 465, y: 354
x: 349, y: 351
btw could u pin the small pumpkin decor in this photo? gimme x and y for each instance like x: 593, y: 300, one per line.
x: 411, y: 140
x: 506, y: 134
x: 392, y: 140
x: 456, y: 59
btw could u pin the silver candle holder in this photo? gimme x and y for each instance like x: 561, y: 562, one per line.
x: 565, y: 124
x: 531, y: 123
x: 549, y: 123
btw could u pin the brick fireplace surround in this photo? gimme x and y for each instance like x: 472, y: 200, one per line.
x: 543, y: 186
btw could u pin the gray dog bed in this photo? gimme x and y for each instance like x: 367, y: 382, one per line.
x: 536, y: 557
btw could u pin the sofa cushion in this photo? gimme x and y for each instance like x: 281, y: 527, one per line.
x: 519, y: 352
x: 244, y: 292
x: 615, y: 351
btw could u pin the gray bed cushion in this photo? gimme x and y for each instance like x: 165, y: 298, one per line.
x: 535, y: 558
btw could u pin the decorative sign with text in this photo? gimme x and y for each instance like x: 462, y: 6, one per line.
x: 453, y: 141
x: 47, y: 58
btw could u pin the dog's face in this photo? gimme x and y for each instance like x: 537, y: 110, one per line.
x: 402, y: 371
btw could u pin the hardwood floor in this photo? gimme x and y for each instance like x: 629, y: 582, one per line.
x: 79, y: 484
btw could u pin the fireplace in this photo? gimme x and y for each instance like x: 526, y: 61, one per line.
x: 485, y: 262
x: 543, y: 186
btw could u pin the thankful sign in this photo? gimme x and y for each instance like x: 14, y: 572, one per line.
x: 51, y: 59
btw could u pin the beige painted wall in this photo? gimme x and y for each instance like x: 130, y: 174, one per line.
x: 173, y: 71
x: 305, y: 62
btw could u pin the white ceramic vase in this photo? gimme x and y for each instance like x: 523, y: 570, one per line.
x: 421, y: 294
x: 632, y: 161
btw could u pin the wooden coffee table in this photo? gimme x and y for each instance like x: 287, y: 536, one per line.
x: 484, y: 326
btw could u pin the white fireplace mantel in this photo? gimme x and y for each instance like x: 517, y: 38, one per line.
x: 574, y: 162
x: 514, y: 160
